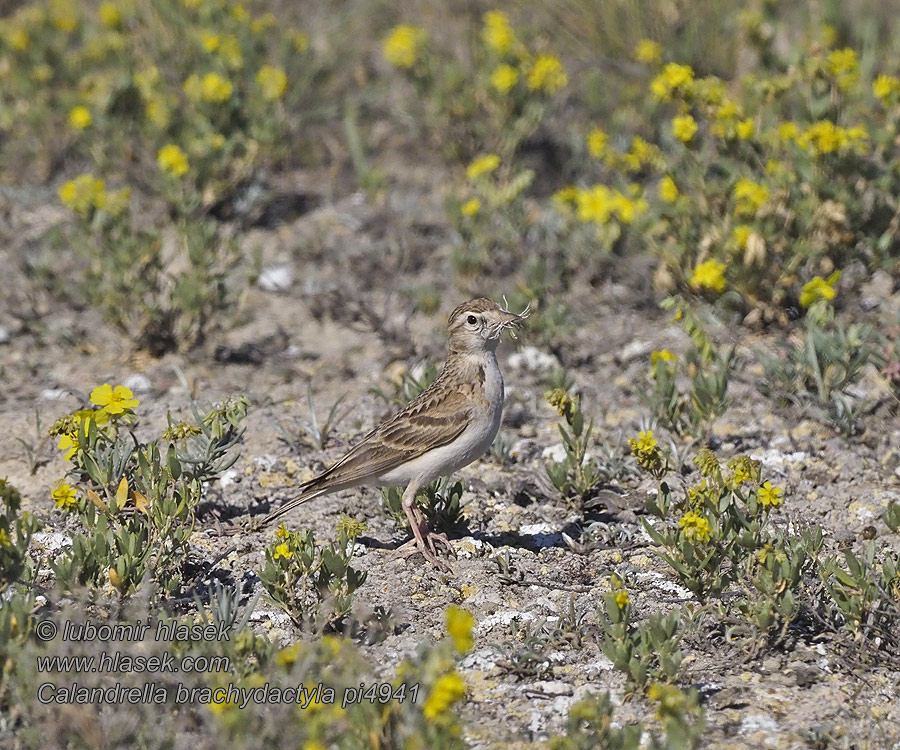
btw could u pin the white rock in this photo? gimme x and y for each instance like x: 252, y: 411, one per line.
x: 531, y: 359
x: 635, y: 349
x: 502, y: 618
x: 5, y: 335
x: 758, y: 722
x: 266, y: 462
x: 229, y: 477
x: 50, y: 541
x: 551, y: 687
x: 543, y: 533
x: 54, y: 394
x: 554, y: 453
x: 482, y: 660
x: 276, y: 278
x: 775, y: 458
x: 138, y: 383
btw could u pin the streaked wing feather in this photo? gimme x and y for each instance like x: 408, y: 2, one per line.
x: 407, y: 435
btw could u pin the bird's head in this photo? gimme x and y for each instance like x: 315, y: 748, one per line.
x: 477, y: 325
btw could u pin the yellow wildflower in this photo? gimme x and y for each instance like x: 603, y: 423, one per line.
x: 749, y: 197
x: 684, y: 128
x: 745, y: 129
x: 566, y: 195
x: 64, y: 496
x: 215, y: 88
x: 239, y: 13
x: 674, y: 77
x: 18, y: 38
x: 627, y: 209
x: 4, y: 539
x: 709, y: 275
x: 694, y: 527
x: 594, y: 204
x: 668, y: 190
x: 497, y: 33
x: 504, y: 78
x: 459, y: 628
x: 597, y: 142
x: 648, y: 51
x: 740, y: 234
x: 83, y: 194
x: 114, y: 401
x: 282, y: 532
x: 401, y: 45
x: 210, y: 41
x: 265, y: 22
x: 482, y: 165
x: 843, y: 64
x: 230, y: 52
x: 661, y: 355
x: 109, y: 15
x: 173, y: 160
x: 547, y: 74
x: 444, y: 693
x: 80, y: 117
x: 300, y: 40
x: 622, y: 599
x: 818, y: 288
x: 769, y: 496
x: 157, y: 111
x: 470, y: 207
x: 884, y: 87
x: 282, y: 550
x: 788, y: 131
x: 272, y: 81
x: 644, y: 442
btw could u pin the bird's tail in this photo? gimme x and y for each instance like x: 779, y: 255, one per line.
x: 308, y: 492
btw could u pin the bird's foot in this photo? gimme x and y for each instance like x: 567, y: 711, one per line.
x: 428, y: 548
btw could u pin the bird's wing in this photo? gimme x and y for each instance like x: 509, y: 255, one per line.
x: 437, y: 417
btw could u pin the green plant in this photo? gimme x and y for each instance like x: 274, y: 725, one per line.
x: 440, y: 501
x: 576, y: 475
x: 314, y: 584
x: 818, y: 369
x: 891, y: 516
x: 646, y: 652
x: 865, y: 592
x: 138, y: 501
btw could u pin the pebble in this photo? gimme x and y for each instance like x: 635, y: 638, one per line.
x: 5, y: 335
x: 533, y: 360
x: 276, y: 278
x: 138, y: 383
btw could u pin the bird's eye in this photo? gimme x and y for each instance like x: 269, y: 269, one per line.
x: 471, y: 320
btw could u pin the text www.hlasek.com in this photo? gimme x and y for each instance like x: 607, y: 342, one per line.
x: 116, y: 662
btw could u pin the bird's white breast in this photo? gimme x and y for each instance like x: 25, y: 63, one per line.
x: 474, y: 440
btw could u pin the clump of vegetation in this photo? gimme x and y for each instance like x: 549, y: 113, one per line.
x: 313, y: 583
x: 136, y: 500
x: 440, y: 501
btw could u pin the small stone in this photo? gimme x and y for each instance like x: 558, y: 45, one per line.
x: 5, y: 335
x: 551, y: 687
x: 276, y: 278
x: 533, y: 360
x: 138, y: 383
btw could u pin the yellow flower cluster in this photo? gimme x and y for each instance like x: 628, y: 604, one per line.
x: 818, y: 288
x: 86, y: 193
x: 459, y: 627
x: 401, y: 45
x: 709, y: 275
x: 749, y: 197
x: 674, y: 78
x: 482, y: 165
x: 173, y: 160
x: 886, y: 87
x: 446, y: 691
x: 684, y: 128
x: 648, y: 51
x: 497, y: 34
x: 273, y: 82
x: 843, y: 64
x: 80, y: 117
x: 504, y: 78
x: 600, y: 204
x: 695, y: 528
x: 824, y: 137
x: 212, y: 87
x: 668, y: 190
x: 64, y: 496
x: 547, y: 74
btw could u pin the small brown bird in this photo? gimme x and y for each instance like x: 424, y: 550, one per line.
x: 446, y: 427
